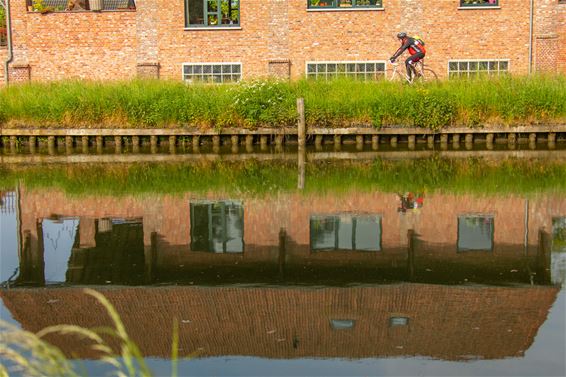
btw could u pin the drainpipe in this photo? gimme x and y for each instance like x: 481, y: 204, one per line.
x: 530, y: 37
x: 9, y: 40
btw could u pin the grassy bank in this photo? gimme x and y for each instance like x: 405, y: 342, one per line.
x: 251, y: 178
x: 144, y: 104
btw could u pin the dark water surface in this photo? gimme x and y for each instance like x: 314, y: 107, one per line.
x: 430, y: 267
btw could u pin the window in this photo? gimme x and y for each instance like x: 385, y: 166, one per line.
x: 3, y: 31
x: 345, y: 232
x: 217, y: 227
x: 472, y: 68
x: 479, y: 3
x: 369, y: 70
x: 212, y: 72
x: 475, y: 233
x: 80, y: 5
x: 342, y: 324
x: 212, y: 13
x: 325, y: 4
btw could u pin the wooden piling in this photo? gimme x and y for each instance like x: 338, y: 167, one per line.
x: 32, y: 144
x: 375, y: 142
x: 216, y: 141
x: 412, y: 140
x: 263, y: 142
x: 318, y: 142
x: 393, y: 141
x: 51, y: 144
x: 411, y: 254
x: 359, y: 142
x: 430, y: 141
x: 301, y: 127
x: 84, y: 144
x: 282, y: 252
x: 118, y: 144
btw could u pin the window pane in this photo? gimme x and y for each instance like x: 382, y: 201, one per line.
x: 217, y: 227
x: 196, y: 12
x: 503, y: 66
x: 199, y: 227
x: 345, y: 233
x: 463, y: 66
x: 453, y: 66
x: 368, y: 233
x: 475, y: 233
x: 323, y: 232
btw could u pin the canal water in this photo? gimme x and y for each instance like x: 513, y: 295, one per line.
x: 339, y: 265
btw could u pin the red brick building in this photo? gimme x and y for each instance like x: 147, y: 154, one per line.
x: 231, y: 40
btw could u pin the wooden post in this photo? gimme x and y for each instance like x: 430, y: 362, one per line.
x: 136, y: 144
x: 359, y: 142
x: 393, y: 141
x: 469, y: 138
x: 263, y: 142
x: 301, y: 127
x: 375, y: 142
x: 301, y: 164
x: 543, y: 257
x: 282, y: 252
x: 456, y: 141
x: 118, y: 144
x: 13, y: 144
x: 412, y: 141
x: 216, y: 141
x: 411, y: 254
x: 51, y: 144
x: 249, y: 141
x: 69, y: 143
x: 337, y: 142
x: 318, y: 142
x: 32, y: 144
x: 551, y: 140
x: 84, y: 144
x: 153, y: 143
x: 99, y: 144
x: 512, y: 138
x: 430, y: 141
x: 279, y: 141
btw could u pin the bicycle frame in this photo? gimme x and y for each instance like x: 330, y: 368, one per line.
x: 421, y: 73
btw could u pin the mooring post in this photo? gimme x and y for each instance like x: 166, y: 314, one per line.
x: 456, y: 141
x: 301, y: 127
x: 430, y: 141
x: 337, y: 142
x: 68, y: 144
x: 249, y: 141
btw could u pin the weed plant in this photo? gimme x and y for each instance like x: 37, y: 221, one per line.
x: 506, y: 100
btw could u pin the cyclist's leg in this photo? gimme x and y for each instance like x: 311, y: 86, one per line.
x: 410, y: 63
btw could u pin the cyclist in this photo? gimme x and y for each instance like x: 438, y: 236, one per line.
x: 416, y: 49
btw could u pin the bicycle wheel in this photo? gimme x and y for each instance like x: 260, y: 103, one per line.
x: 429, y: 75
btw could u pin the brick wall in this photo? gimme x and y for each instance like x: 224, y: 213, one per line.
x: 153, y: 41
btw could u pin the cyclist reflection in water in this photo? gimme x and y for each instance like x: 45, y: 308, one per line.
x: 410, y: 201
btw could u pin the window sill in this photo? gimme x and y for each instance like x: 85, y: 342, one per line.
x: 209, y: 28
x: 480, y: 7
x: 345, y: 9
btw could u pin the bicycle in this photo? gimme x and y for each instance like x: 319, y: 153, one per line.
x: 420, y: 74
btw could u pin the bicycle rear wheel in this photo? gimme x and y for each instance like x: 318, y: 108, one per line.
x: 429, y: 75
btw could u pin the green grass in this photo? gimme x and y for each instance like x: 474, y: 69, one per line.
x: 255, y: 178
x: 143, y: 104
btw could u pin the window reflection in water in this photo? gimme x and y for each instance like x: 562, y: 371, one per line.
x: 475, y: 232
x: 217, y: 227
x: 345, y: 232
x: 558, y: 251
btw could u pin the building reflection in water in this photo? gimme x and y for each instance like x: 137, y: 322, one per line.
x: 332, y: 276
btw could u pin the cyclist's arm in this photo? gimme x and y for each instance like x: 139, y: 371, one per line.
x: 400, y: 50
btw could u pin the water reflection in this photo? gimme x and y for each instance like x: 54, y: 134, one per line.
x: 364, y: 274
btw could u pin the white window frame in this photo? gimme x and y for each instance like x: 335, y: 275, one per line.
x: 212, y: 64
x: 345, y: 74
x: 469, y: 73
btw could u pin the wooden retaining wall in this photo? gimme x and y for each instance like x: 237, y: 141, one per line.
x: 77, y: 140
